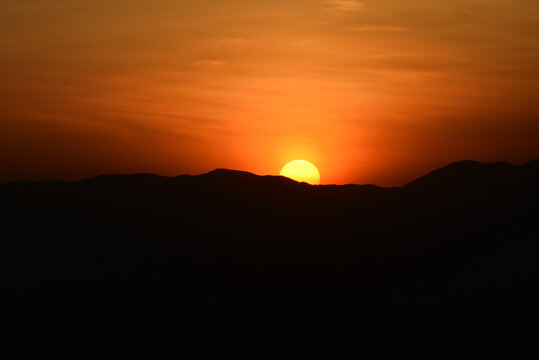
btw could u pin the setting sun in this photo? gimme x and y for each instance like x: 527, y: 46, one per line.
x: 302, y: 171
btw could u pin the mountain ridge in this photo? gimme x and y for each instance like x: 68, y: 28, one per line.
x: 222, y: 173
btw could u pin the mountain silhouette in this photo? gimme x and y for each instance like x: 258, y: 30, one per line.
x: 229, y: 261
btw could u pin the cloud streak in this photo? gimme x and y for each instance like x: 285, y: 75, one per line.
x: 379, y: 28
x: 208, y: 63
x: 345, y: 5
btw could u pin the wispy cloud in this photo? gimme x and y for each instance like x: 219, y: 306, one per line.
x: 208, y: 63
x: 237, y: 41
x: 7, y: 44
x: 380, y: 28
x: 344, y: 5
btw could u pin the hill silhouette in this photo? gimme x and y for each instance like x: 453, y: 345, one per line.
x: 265, y: 266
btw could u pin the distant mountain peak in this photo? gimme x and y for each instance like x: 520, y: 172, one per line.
x: 245, y: 177
x: 461, y: 173
x: 533, y: 163
x: 228, y: 172
x: 466, y: 162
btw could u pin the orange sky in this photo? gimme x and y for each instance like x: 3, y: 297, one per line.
x: 377, y: 91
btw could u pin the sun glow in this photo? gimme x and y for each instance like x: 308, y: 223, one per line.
x: 302, y: 171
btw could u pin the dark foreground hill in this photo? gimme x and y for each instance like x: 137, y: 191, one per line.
x: 229, y: 262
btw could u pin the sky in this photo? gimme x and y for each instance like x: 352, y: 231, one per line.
x: 374, y: 91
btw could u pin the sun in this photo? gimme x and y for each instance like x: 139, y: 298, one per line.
x: 302, y: 171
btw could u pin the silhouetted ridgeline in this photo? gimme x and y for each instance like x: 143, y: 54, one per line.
x: 265, y: 266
